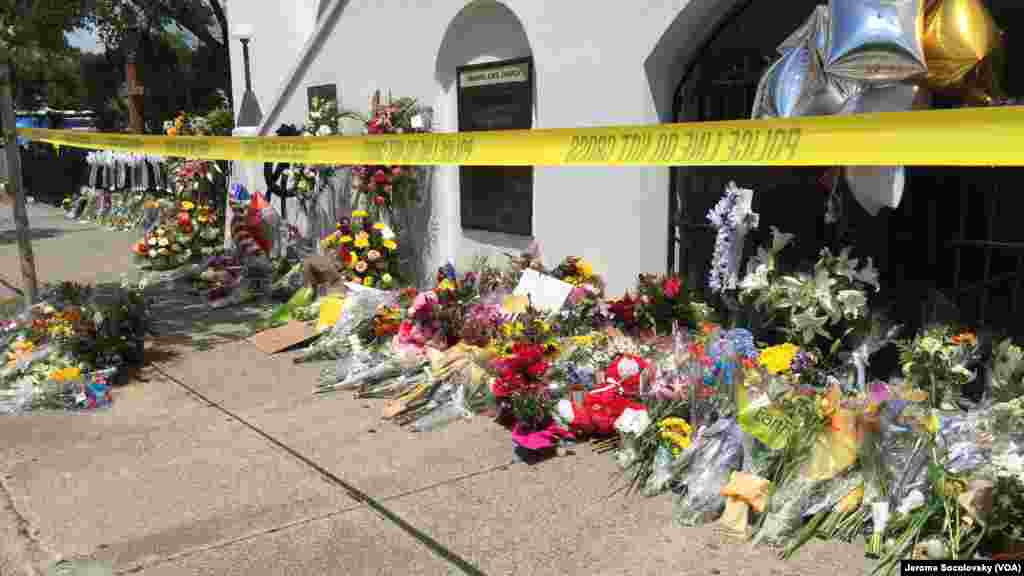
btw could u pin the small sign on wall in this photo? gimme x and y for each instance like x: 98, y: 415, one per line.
x: 323, y: 92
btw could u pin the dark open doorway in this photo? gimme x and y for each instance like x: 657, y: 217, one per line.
x: 953, y: 250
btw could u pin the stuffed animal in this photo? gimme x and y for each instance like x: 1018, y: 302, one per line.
x: 603, y: 406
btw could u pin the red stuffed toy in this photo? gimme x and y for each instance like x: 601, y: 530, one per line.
x: 602, y: 407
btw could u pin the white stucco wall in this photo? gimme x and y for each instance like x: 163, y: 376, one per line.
x: 596, y: 63
x: 280, y: 30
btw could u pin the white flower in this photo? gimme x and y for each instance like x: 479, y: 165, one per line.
x: 633, y: 422
x: 417, y: 122
x: 962, y: 372
x: 913, y: 501
x: 869, y: 275
x: 152, y: 253
x: 628, y: 368
x: 387, y: 233
x: 780, y: 240
x: 565, y: 411
x: 324, y: 130
x: 853, y: 303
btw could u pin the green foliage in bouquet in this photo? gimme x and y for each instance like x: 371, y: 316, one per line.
x: 1007, y: 373
x: 936, y: 361
x: 819, y: 309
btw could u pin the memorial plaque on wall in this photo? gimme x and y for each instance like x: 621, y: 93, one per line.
x: 496, y: 96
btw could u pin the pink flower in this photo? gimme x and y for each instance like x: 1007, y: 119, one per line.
x: 539, y: 440
x: 672, y: 286
x: 577, y: 295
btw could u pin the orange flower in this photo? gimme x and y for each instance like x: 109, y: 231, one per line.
x: 172, y: 131
x: 708, y: 327
x: 965, y: 338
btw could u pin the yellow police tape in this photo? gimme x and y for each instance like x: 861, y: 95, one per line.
x: 967, y: 137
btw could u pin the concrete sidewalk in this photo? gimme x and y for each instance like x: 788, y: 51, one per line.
x: 167, y: 483
x: 220, y: 460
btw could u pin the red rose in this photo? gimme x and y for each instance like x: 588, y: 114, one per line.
x: 184, y: 219
x: 345, y: 255
x: 371, y: 185
x: 380, y: 177
x: 537, y: 369
x: 396, y: 171
x: 378, y: 200
x: 672, y: 286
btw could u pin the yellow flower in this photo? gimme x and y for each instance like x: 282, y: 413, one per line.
x: 345, y: 239
x: 379, y: 226
x: 512, y: 330
x: 584, y: 268
x: 390, y: 245
x: 186, y: 205
x: 360, y: 214
x: 386, y: 279
x: 544, y: 327
x: 362, y: 242
x: 445, y: 284
x: 679, y: 440
x: 368, y: 281
x: 778, y: 359
x: 353, y: 259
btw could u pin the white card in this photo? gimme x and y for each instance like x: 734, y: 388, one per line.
x: 547, y: 293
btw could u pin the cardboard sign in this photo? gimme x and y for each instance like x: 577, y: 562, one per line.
x: 284, y: 338
x: 547, y: 293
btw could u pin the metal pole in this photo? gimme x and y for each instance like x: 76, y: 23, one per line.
x: 9, y: 123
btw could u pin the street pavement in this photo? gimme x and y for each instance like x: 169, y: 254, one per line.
x: 218, y: 459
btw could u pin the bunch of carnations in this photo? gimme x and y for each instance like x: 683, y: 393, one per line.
x: 521, y: 385
x: 368, y: 250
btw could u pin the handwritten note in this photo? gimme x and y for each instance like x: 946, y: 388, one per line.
x: 546, y: 292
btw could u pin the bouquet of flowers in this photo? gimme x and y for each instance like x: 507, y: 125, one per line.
x: 167, y: 246
x: 322, y: 121
x: 437, y: 317
x: 936, y: 361
x: 388, y: 188
x: 585, y: 310
x: 830, y: 299
x: 1006, y: 376
x: 368, y: 250
x: 521, y: 386
x: 660, y: 300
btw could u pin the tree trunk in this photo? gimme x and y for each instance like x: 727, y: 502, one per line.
x: 222, y: 21
x: 9, y: 123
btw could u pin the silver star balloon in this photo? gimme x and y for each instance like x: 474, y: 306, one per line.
x: 797, y: 85
x: 878, y: 41
x: 876, y: 187
x: 815, y: 27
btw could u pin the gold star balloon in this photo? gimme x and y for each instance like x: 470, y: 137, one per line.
x: 959, y: 35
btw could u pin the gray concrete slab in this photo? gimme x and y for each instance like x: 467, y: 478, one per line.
x: 352, y: 543
x: 127, y: 488
x: 556, y: 517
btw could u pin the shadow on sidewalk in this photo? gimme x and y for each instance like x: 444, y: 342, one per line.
x: 11, y: 236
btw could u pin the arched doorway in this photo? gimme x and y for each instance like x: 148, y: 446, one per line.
x: 952, y: 250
